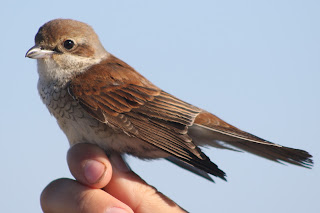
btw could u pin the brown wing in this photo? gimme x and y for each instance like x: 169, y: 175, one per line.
x: 115, y: 93
x: 251, y: 143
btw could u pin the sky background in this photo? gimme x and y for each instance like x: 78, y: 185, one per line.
x: 255, y: 64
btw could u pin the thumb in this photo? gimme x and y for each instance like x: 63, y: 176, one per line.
x: 129, y: 188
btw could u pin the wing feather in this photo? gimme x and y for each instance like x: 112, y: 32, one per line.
x: 114, y: 93
x: 117, y: 95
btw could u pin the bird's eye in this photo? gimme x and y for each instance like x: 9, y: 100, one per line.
x: 68, y: 44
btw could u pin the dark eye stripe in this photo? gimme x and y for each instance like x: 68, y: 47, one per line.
x: 84, y: 50
x: 57, y: 50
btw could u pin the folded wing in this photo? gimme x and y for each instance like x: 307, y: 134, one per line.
x: 123, y: 98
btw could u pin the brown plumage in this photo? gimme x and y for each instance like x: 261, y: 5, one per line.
x: 117, y: 96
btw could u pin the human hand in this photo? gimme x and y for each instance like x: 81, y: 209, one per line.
x: 102, y: 187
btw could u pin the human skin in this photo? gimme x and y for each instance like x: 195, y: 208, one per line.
x: 100, y: 186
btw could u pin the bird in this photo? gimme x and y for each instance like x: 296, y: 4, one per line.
x: 99, y: 99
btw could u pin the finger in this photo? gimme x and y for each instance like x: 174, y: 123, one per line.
x: 65, y: 195
x: 128, y: 187
x: 89, y: 165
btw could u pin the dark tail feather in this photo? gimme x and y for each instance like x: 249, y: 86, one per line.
x: 250, y: 143
x: 190, y: 168
x: 276, y: 153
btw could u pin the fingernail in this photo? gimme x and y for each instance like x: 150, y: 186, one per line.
x: 119, y: 163
x: 116, y: 210
x: 94, y: 171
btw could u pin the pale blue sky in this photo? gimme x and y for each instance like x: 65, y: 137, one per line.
x: 253, y: 63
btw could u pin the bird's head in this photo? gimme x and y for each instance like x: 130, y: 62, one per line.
x: 65, y: 47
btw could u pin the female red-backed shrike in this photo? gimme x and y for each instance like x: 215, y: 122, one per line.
x: 97, y: 98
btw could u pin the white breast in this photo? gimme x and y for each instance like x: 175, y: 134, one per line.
x: 80, y: 127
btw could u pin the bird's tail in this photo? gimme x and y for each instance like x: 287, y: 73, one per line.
x: 210, y: 130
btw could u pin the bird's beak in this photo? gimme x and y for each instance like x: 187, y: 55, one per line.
x: 37, y: 52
